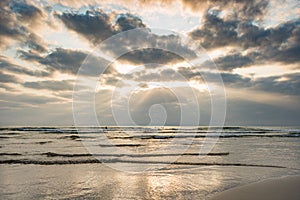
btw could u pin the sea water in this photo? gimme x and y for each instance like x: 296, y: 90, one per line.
x: 141, y: 162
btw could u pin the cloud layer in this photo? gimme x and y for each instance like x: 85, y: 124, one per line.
x: 44, y: 43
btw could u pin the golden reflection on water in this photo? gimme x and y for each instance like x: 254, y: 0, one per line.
x: 101, y: 182
x: 180, y: 184
x: 158, y: 185
x: 174, y: 184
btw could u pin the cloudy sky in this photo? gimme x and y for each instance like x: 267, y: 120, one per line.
x: 253, y: 45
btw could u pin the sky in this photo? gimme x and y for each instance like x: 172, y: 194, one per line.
x: 176, y: 69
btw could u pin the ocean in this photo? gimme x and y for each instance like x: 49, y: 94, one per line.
x: 141, y: 162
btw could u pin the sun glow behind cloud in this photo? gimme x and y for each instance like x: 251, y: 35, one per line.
x: 219, y: 52
x: 267, y: 70
x: 125, y: 68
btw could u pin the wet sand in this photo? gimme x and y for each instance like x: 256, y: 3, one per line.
x: 273, y: 189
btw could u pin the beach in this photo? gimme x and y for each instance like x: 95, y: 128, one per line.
x: 274, y: 189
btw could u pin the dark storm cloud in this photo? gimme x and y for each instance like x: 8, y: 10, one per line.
x: 27, y: 100
x: 70, y: 61
x: 216, y: 32
x: 287, y: 84
x: 248, y: 9
x: 35, y: 42
x: 251, y: 35
x: 230, y: 62
x: 60, y: 59
x: 97, y: 26
x: 229, y: 79
x: 149, y: 76
x: 163, y: 74
x: 150, y: 56
x: 16, y: 20
x: 236, y: 80
x: 280, y: 43
x: 64, y: 60
x: 111, y: 79
x: 6, y: 65
x: 8, y: 23
x: 25, y: 11
x: 50, y: 85
x: 93, y: 25
x: 128, y: 21
x: 144, y: 76
x: 285, y: 42
x: 9, y: 27
x: 243, y: 9
x: 184, y: 74
x: 6, y: 78
x: 161, y: 49
x: 6, y: 87
x: 189, y: 73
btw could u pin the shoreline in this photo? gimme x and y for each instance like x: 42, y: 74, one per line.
x: 286, y: 187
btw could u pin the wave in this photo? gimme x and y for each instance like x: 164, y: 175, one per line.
x: 10, y: 154
x: 150, y: 133
x: 263, y: 136
x: 51, y: 154
x: 160, y: 137
x: 44, y: 142
x: 72, y: 137
x: 121, y: 145
x: 53, y: 130
x: 94, y: 161
x: 27, y: 128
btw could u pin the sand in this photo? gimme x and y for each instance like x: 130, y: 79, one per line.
x: 274, y: 189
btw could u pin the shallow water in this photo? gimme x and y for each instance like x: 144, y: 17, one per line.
x: 140, y: 162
